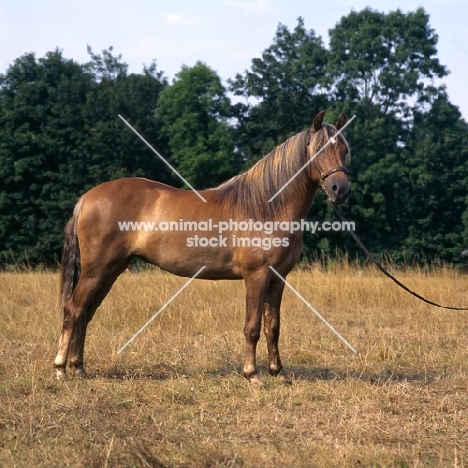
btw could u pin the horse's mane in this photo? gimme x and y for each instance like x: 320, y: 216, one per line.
x: 247, y: 194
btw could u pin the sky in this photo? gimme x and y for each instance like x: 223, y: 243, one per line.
x: 224, y: 34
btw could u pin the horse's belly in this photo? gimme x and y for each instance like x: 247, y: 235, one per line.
x: 185, y: 255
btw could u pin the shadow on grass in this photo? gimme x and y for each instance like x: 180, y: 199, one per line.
x: 164, y: 371
x: 157, y: 372
x: 313, y: 374
x: 160, y: 372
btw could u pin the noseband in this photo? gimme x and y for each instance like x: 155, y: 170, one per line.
x: 331, y: 171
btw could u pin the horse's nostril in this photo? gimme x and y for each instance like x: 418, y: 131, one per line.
x: 335, y: 188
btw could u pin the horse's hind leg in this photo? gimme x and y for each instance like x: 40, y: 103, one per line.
x: 76, y: 353
x: 73, y: 319
x: 89, y: 292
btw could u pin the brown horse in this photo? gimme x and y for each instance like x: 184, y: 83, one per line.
x: 251, y: 236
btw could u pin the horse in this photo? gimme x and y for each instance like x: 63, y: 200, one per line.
x: 278, y: 189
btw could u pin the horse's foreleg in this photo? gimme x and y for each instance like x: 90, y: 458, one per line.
x: 256, y: 286
x: 271, y: 324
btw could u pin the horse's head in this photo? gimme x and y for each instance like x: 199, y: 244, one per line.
x: 328, y: 169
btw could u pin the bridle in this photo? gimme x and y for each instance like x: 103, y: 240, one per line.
x: 331, y: 171
x: 328, y: 173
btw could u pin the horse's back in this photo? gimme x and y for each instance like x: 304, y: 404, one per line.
x: 129, y: 186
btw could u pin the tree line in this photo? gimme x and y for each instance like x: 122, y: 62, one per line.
x: 60, y: 134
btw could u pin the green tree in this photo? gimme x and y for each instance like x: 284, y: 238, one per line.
x: 60, y: 135
x: 193, y: 115
x: 437, y: 160
x: 40, y: 139
x: 112, y: 150
x: 283, y: 91
x: 383, y: 69
x: 384, y: 60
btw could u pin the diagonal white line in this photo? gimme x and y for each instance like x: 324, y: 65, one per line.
x: 169, y: 165
x: 161, y: 309
x: 314, y: 311
x: 312, y: 158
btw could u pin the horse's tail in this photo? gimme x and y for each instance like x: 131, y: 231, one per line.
x: 71, y: 265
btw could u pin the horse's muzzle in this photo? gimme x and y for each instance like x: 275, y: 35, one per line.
x: 337, y: 187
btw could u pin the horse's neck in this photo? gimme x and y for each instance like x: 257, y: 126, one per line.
x: 279, y: 175
x: 299, y: 206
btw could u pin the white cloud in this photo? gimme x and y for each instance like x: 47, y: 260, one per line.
x: 258, y: 5
x: 175, y: 18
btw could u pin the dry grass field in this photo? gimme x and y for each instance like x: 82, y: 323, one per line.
x: 174, y: 397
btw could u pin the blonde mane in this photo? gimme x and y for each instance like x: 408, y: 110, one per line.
x: 247, y: 194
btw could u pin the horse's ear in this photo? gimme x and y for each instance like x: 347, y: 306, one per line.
x: 341, y: 121
x: 317, y: 125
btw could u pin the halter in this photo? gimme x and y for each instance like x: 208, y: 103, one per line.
x: 328, y: 173
x: 331, y: 171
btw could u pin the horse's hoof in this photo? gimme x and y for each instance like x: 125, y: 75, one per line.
x: 80, y: 372
x: 285, y: 379
x: 256, y: 381
x: 61, y: 374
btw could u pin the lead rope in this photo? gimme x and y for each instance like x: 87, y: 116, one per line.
x: 386, y: 273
